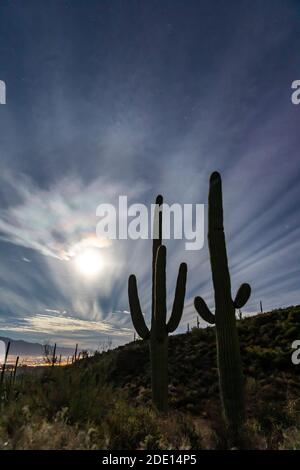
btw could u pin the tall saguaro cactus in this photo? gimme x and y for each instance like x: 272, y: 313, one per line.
x: 160, y: 327
x: 228, y: 349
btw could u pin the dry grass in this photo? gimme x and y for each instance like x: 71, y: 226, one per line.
x: 104, y: 402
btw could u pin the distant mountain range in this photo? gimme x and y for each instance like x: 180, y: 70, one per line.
x: 25, y: 348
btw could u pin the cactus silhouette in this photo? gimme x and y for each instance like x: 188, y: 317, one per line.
x: 228, y: 349
x: 54, y: 358
x: 160, y: 327
x: 75, y: 353
x: 15, y: 369
x: 4, y: 364
x: 13, y: 377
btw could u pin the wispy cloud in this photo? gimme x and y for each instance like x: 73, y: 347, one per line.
x: 58, y: 221
x: 54, y: 325
x: 141, y: 113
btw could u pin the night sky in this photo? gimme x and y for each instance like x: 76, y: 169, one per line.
x: 136, y: 98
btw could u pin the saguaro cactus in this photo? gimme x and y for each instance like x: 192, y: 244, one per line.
x: 160, y: 327
x: 228, y: 349
x: 75, y: 353
x: 54, y: 358
x: 15, y: 369
x: 4, y: 365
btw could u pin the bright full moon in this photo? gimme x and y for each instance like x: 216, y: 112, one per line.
x: 89, y: 263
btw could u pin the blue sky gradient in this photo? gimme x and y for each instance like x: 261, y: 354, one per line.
x: 106, y: 98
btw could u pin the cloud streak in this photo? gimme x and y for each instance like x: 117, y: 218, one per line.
x: 152, y: 108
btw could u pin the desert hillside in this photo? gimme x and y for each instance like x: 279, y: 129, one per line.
x: 104, y: 401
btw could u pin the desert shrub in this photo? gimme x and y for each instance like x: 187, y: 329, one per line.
x: 105, y: 401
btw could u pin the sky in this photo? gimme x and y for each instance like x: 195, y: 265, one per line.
x: 137, y: 98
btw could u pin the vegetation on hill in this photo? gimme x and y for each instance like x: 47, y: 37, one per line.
x: 104, y: 402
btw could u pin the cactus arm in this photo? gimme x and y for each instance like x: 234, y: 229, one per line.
x: 203, y: 310
x: 178, y: 303
x: 160, y: 311
x: 242, y: 296
x: 135, y: 309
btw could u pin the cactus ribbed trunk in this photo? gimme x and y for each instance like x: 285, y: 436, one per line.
x: 159, y: 373
x: 228, y: 350
x: 158, y: 342
x: 230, y: 376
